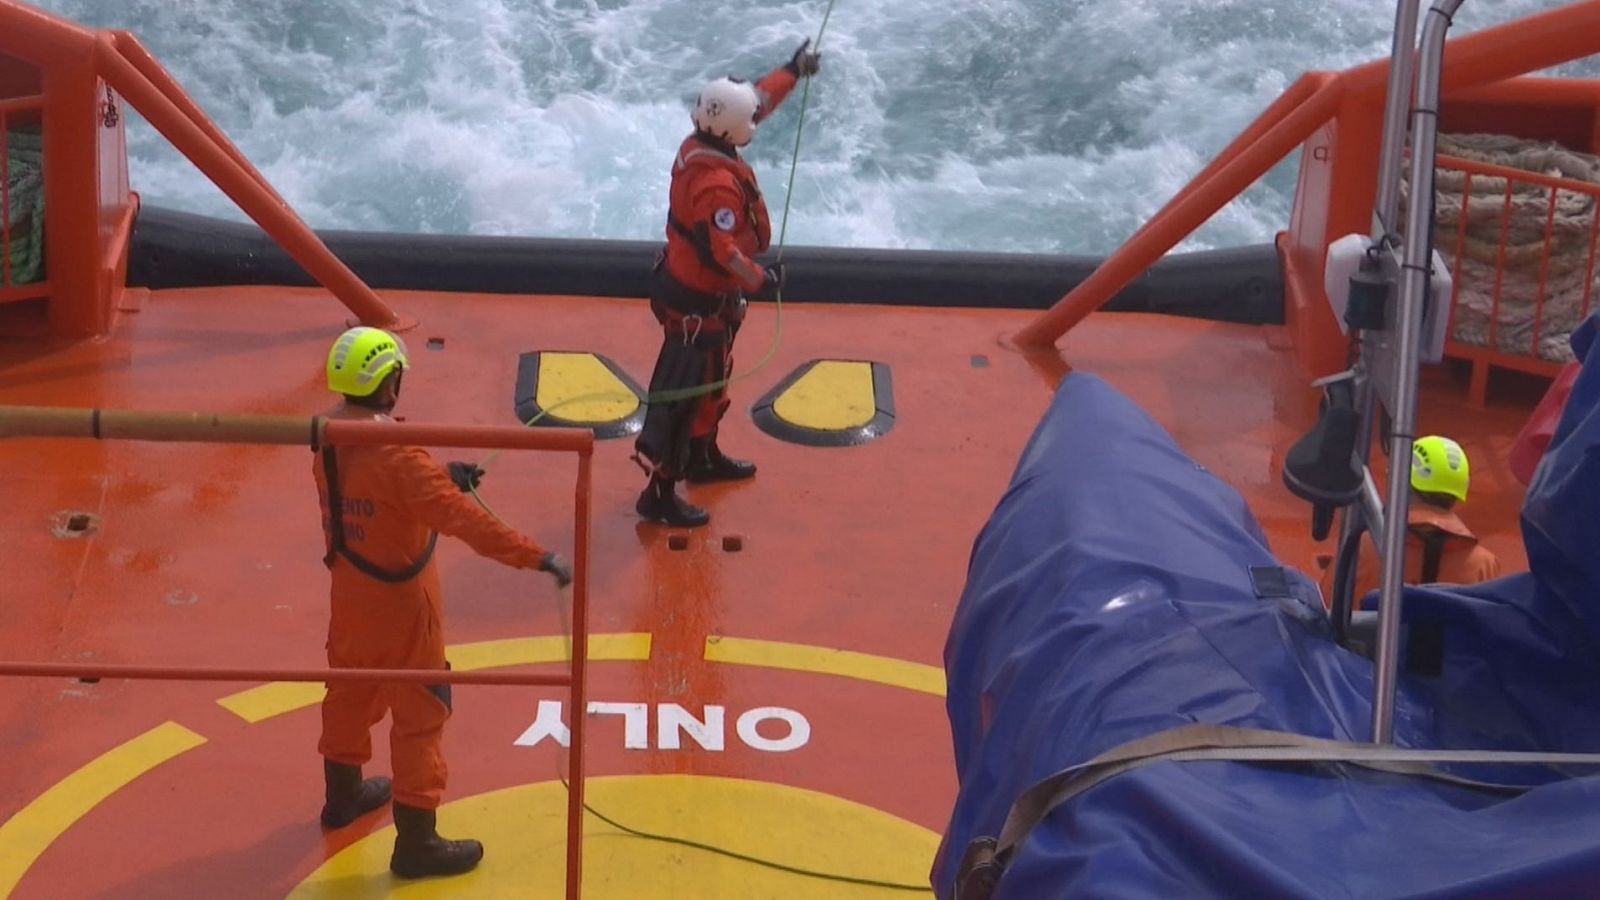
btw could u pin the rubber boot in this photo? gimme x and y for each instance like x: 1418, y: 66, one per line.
x: 707, y: 463
x: 660, y: 503
x: 419, y: 852
x: 348, y: 798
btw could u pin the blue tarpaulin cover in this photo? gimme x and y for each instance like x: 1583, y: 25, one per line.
x: 1110, y: 598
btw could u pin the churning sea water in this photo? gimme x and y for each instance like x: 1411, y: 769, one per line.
x: 1006, y: 125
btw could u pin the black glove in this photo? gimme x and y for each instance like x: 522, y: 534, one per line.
x: 465, y: 475
x: 558, y: 567
x: 773, y: 280
x: 804, y: 64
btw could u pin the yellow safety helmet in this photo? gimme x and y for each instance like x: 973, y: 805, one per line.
x: 1439, y: 466
x: 362, y: 358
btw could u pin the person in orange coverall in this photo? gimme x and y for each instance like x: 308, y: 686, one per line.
x: 717, y: 222
x: 382, y: 511
x: 1440, y: 548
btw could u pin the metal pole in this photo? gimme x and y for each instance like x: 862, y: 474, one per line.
x: 1408, y: 326
x: 1402, y: 69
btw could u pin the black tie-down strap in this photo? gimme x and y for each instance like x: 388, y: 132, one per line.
x: 336, y: 544
x: 986, y: 858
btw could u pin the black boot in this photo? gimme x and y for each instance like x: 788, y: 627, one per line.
x: 660, y: 503
x: 419, y: 851
x: 348, y: 798
x: 707, y: 463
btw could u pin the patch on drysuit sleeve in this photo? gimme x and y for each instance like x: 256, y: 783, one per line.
x: 725, y: 219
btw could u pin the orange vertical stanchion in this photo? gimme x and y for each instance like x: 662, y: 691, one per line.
x: 284, y: 227
x: 1166, y: 230
x: 71, y: 199
x: 580, y: 673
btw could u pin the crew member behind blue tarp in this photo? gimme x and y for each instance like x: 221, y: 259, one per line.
x: 717, y: 222
x: 1440, y: 548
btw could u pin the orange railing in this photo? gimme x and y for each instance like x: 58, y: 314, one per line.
x: 1354, y: 99
x: 290, y: 430
x: 77, y: 68
x: 10, y: 290
x: 1514, y: 300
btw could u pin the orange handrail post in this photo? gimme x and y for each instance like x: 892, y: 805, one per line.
x: 1181, y: 218
x: 299, y: 241
x: 580, y: 671
x: 71, y: 199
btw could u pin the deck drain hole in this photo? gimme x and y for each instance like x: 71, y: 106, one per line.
x: 732, y: 543
x: 677, y: 542
x: 435, y: 343
x: 74, y: 524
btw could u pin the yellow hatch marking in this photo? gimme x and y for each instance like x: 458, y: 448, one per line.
x: 565, y: 376
x: 834, y: 395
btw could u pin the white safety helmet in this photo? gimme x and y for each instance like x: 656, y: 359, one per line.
x: 727, y: 110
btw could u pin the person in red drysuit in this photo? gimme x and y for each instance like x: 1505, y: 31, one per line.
x: 717, y: 223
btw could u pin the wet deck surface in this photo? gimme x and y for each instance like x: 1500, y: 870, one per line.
x: 210, y: 555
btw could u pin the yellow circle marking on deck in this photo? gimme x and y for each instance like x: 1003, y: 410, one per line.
x: 826, y: 661
x: 261, y: 703
x: 835, y: 395
x: 564, y: 376
x: 36, y: 826
x: 524, y: 834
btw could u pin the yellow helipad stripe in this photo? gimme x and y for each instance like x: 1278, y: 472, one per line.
x: 565, y: 377
x: 260, y: 703
x: 36, y: 826
x: 827, y: 661
x: 835, y: 395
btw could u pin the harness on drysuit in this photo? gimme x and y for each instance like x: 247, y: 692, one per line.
x: 337, y: 546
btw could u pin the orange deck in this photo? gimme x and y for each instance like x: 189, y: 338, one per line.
x: 210, y: 555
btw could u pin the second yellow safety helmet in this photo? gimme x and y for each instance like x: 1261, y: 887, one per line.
x: 362, y: 358
x: 1439, y: 466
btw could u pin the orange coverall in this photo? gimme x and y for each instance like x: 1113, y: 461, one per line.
x: 393, y: 497
x: 1463, y: 561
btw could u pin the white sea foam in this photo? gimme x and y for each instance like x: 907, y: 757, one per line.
x: 1023, y: 125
